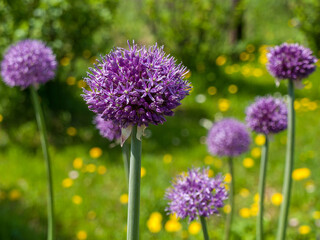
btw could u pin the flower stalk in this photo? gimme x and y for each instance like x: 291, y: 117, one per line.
x: 284, y: 211
x: 231, y: 202
x: 134, y: 187
x: 44, y: 144
x: 204, y: 228
x: 261, y: 187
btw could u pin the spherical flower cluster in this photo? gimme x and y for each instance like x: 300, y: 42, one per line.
x: 27, y: 63
x: 267, y: 115
x: 139, y: 86
x: 107, y: 129
x: 228, y: 137
x: 290, y: 61
x: 194, y: 194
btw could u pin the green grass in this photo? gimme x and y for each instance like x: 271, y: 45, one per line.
x: 182, y: 136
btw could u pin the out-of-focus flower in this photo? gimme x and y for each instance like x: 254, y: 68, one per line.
x: 245, y: 212
x: 154, y: 222
x: 138, y: 86
x: 173, y: 224
x: 28, y: 62
x: 82, y: 235
x: 301, y: 173
x: 195, y: 194
x: 267, y: 115
x: 124, y: 198
x: 304, y: 229
x: 194, y: 228
x: 95, y: 152
x: 107, y: 129
x: 228, y: 137
x: 290, y: 61
x: 276, y: 199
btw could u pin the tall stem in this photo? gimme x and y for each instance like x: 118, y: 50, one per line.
x: 261, y: 187
x: 231, y: 201
x: 126, y: 157
x: 284, y: 211
x: 44, y: 144
x: 134, y: 187
x: 204, y: 228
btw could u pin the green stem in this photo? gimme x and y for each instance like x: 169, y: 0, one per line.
x: 134, y: 187
x: 204, y: 228
x: 231, y: 202
x: 283, y: 220
x: 126, y: 157
x: 44, y: 144
x: 261, y: 187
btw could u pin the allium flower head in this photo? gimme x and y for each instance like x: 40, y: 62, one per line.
x: 290, y: 61
x: 267, y: 115
x: 28, y: 62
x: 107, y: 129
x: 194, y: 194
x: 136, y: 86
x: 228, y: 137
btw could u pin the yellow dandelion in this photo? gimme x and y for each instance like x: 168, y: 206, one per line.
x: 210, y: 173
x: 95, y: 152
x: 297, y: 105
x: 65, y: 61
x: 304, y: 229
x: 223, y: 104
x: 316, y: 214
x: 143, y: 172
x: 71, y: 80
x: 246, y: 71
x: 208, y: 160
x: 82, y: 235
x: 244, y: 192
x: 245, y: 212
x: 256, y: 152
x: 71, y: 131
x: 276, y: 199
x: 77, y: 163
x: 91, y: 168
x: 124, y: 198
x: 260, y: 139
x: 244, y: 56
x: 312, y: 106
x: 233, y: 89
x: 67, y: 182
x: 81, y: 84
x: 254, y: 209
x: 250, y: 48
x: 256, y: 197
x: 167, y: 158
x: 212, y: 90
x: 76, y: 199
x: 102, y: 170
x: 14, y: 194
x: 300, y: 174
x: 194, y: 228
x: 172, y: 226
x: 221, y: 60
x: 227, y: 178
x: 257, y: 72
x: 228, y: 69
x: 227, y: 208
x: 154, y: 222
x: 248, y: 162
x: 91, y: 215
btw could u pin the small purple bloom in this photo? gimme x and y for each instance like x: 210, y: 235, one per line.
x: 267, y: 115
x: 194, y: 194
x: 28, y: 62
x: 139, y: 86
x: 228, y: 137
x: 107, y: 129
x: 290, y: 61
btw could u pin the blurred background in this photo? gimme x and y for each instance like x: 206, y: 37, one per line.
x: 224, y: 44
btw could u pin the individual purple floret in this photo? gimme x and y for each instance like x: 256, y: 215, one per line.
x: 228, y: 137
x: 139, y: 86
x: 107, y: 129
x: 194, y: 194
x: 267, y: 115
x: 28, y: 62
x: 290, y: 61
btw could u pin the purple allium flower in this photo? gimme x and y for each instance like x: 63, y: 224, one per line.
x: 267, y: 115
x: 290, y: 61
x: 194, y: 194
x: 228, y: 137
x: 139, y: 86
x: 107, y: 129
x: 28, y: 62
